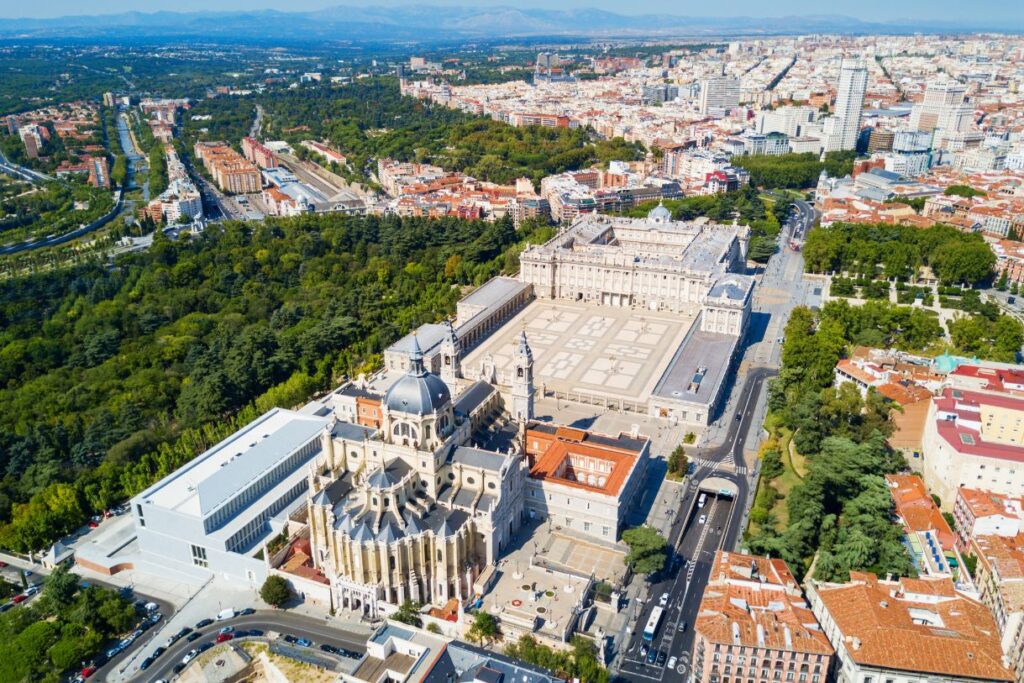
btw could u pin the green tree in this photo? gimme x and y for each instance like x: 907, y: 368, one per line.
x: 484, y: 628
x: 275, y: 591
x: 408, y: 613
x: 647, y: 549
x: 677, y: 461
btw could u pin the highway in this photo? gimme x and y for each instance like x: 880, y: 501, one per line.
x: 273, y: 623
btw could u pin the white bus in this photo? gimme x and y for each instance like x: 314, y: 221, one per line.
x: 653, y: 623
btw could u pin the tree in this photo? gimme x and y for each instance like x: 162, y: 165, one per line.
x: 647, y: 549
x: 275, y: 591
x: 677, y: 461
x: 968, y: 262
x: 434, y: 628
x: 484, y: 628
x: 408, y: 613
x: 59, y: 588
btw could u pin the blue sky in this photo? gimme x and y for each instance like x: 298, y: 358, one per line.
x: 1011, y: 11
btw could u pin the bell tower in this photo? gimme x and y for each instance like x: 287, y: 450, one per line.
x: 451, y: 366
x: 522, y: 380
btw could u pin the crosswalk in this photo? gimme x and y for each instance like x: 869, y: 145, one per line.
x: 727, y: 463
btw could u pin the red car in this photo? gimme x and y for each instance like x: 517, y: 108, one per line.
x: 225, y: 637
x: 93, y: 524
x: 2, y: 564
x: 87, y: 671
x: 20, y: 598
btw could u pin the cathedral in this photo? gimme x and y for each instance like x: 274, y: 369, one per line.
x: 405, y: 507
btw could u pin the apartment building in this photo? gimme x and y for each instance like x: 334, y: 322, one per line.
x: 907, y: 631
x: 973, y: 439
x: 259, y: 154
x: 754, y: 625
x: 232, y: 172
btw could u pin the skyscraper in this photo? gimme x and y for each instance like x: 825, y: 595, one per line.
x: 942, y: 108
x: 719, y: 94
x: 842, y: 129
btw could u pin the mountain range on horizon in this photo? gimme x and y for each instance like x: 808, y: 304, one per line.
x: 438, y: 22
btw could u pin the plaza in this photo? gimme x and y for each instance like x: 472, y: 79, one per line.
x: 587, y: 352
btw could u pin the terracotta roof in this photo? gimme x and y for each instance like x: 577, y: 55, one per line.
x: 917, y: 625
x: 756, y: 602
x: 986, y: 504
x: 917, y: 509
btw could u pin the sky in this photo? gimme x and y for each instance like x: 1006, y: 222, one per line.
x: 870, y: 10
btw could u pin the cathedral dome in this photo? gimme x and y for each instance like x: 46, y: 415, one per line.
x: 660, y: 214
x: 417, y: 392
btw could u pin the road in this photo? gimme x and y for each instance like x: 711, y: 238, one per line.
x: 317, y: 630
x: 11, y: 168
x: 781, y: 288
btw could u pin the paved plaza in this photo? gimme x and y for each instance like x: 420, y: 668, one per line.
x: 578, y: 348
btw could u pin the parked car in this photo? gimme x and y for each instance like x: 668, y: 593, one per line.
x: 652, y: 656
x: 247, y: 611
x: 179, y: 635
x: 19, y: 598
x: 203, y: 623
x: 155, y: 617
x: 228, y: 613
x: 661, y: 658
x: 146, y: 663
x: 672, y: 662
x: 93, y: 524
x: 87, y: 671
x: 643, y: 651
x: 193, y: 637
x: 204, y: 647
x: 302, y: 642
x: 159, y: 651
x: 226, y: 629
x: 151, y: 606
x: 177, y: 668
x: 255, y: 633
x: 225, y: 637
x: 189, y: 656
x: 330, y: 648
x: 290, y: 639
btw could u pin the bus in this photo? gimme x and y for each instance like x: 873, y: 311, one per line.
x: 653, y: 623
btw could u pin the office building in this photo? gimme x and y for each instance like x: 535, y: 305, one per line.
x: 843, y: 128
x: 718, y: 95
x: 942, y: 108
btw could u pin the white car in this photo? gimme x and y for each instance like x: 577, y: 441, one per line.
x: 672, y: 662
x: 703, y: 518
x: 663, y: 600
x: 189, y: 657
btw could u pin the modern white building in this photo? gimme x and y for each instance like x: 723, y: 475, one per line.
x: 842, y: 129
x: 718, y: 95
x: 213, y: 514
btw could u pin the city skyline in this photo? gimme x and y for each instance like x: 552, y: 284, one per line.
x: 871, y: 10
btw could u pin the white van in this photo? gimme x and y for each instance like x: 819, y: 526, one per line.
x: 700, y: 501
x: 228, y: 613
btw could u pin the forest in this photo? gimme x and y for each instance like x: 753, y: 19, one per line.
x: 371, y: 119
x: 794, y: 171
x: 113, y: 377
x: 898, y: 251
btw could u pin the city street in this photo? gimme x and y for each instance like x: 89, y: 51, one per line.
x: 319, y: 631
x: 721, y: 456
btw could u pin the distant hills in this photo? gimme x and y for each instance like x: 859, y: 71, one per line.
x: 432, y: 23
